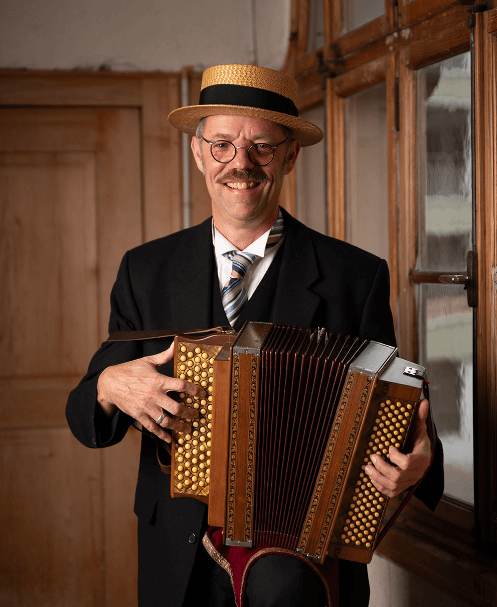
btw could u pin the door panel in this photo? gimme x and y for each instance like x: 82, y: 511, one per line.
x: 52, y: 540
x: 70, y: 203
x: 48, y: 249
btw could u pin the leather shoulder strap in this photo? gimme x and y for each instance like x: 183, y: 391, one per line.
x: 156, y: 334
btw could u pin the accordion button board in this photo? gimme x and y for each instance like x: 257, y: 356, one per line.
x: 290, y: 421
x: 192, y: 452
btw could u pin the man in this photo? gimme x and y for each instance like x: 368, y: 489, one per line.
x: 247, y: 137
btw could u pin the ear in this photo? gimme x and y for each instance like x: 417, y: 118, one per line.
x: 292, y: 155
x: 197, y: 154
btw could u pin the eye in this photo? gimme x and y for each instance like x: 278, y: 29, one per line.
x: 262, y: 147
x: 221, y: 145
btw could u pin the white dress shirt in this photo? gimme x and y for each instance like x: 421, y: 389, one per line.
x: 255, y: 273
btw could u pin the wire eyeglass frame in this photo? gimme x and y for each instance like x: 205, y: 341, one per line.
x: 235, y: 148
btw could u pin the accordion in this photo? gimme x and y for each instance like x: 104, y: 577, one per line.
x: 290, y: 419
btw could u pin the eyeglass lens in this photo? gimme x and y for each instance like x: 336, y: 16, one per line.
x: 259, y: 153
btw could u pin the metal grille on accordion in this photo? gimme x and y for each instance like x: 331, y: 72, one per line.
x: 290, y: 420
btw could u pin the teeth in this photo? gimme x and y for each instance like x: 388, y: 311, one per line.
x: 244, y: 185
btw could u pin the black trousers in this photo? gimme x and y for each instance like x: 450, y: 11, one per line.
x: 273, y: 580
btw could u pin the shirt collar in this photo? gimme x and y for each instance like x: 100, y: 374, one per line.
x: 223, y: 245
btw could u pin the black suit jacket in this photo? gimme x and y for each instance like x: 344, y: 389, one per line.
x: 167, y: 284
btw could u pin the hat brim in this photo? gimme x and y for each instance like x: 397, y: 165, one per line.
x: 187, y: 118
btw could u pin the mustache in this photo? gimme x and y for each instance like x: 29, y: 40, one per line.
x: 245, y: 174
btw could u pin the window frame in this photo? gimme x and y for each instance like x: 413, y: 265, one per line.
x: 455, y: 547
x: 382, y: 70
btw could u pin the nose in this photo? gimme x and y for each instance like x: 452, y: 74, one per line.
x: 242, y: 158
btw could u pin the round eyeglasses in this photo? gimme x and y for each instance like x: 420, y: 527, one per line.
x: 260, y: 154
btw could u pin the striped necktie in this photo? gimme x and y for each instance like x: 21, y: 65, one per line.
x: 234, y: 294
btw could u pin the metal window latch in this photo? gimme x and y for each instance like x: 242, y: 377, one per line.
x: 469, y: 278
x: 457, y: 279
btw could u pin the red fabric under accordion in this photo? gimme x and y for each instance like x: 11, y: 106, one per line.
x: 236, y: 561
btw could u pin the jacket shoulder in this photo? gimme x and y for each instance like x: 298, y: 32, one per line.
x: 332, y: 250
x: 164, y: 246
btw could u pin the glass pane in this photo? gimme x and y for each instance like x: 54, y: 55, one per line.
x: 367, y: 170
x: 445, y: 164
x: 445, y: 235
x: 310, y: 172
x: 358, y: 12
x: 315, y: 34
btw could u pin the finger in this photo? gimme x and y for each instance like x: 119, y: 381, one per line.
x: 151, y: 425
x: 419, y: 457
x: 383, y: 474
x: 187, y: 407
x: 386, y: 484
x: 162, y: 357
x: 188, y: 412
x: 398, y: 458
x: 390, y: 492
x: 175, y: 384
x: 384, y: 468
x: 381, y: 482
x: 177, y: 425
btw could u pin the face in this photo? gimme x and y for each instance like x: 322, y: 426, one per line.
x: 244, y: 194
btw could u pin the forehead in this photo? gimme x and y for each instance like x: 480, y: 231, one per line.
x: 223, y: 126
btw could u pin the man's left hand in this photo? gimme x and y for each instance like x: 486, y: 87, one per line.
x: 408, y: 468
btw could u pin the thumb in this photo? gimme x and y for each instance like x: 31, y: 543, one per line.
x: 423, y: 410
x: 162, y: 357
x: 420, y: 428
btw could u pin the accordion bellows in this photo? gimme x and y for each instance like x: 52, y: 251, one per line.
x: 290, y: 420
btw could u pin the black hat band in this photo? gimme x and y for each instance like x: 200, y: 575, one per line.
x: 235, y: 94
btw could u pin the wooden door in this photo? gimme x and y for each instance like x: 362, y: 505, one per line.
x: 70, y: 204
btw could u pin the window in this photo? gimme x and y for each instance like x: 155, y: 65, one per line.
x: 401, y: 72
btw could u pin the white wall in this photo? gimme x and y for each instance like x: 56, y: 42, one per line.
x: 141, y: 35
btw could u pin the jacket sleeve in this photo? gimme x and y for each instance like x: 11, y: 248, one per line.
x: 84, y: 416
x: 377, y: 323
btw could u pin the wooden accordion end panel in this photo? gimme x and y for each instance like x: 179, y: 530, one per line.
x: 291, y: 419
x: 192, y: 453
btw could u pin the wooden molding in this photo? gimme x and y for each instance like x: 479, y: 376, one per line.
x: 162, y: 168
x: 486, y: 245
x: 361, y: 78
x: 408, y: 220
x: 154, y: 94
x: 336, y: 169
x: 414, y: 11
x: 383, y: 37
x: 438, y: 47
x: 393, y: 193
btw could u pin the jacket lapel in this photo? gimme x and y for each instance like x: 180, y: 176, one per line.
x: 295, y: 303
x: 194, y: 265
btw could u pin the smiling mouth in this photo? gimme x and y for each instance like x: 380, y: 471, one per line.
x: 243, y: 185
x: 243, y: 179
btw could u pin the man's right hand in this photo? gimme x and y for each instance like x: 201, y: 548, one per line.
x: 140, y: 391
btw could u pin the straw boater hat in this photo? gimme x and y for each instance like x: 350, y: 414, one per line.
x: 247, y: 90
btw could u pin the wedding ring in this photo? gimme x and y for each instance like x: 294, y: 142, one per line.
x: 159, y: 419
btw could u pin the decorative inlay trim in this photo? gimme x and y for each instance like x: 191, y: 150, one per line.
x: 252, y: 430
x: 343, y: 468
x: 235, y: 396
